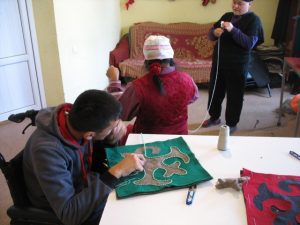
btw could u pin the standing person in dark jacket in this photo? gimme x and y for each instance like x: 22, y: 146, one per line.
x: 237, y: 32
x: 57, y: 158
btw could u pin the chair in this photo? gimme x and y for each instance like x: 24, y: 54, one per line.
x: 272, y: 58
x: 258, y: 74
x: 22, y: 212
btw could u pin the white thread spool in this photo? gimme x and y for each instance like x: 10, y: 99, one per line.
x: 223, y: 142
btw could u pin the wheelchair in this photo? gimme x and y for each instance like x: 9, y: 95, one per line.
x: 22, y: 212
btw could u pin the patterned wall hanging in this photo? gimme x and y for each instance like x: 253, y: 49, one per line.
x: 169, y: 165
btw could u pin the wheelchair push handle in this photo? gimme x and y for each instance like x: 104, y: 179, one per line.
x: 20, y: 117
x: 17, y: 118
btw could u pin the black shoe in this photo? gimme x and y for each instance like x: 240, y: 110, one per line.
x: 210, y: 122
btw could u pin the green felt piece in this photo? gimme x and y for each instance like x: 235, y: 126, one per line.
x: 169, y: 165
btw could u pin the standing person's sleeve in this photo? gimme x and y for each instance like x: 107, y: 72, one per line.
x: 251, y: 37
x: 115, y: 88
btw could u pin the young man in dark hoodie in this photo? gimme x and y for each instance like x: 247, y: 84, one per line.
x: 237, y: 32
x: 58, y: 158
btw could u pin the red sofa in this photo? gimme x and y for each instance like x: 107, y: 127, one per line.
x: 192, y: 49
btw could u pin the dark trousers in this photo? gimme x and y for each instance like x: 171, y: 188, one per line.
x: 230, y: 82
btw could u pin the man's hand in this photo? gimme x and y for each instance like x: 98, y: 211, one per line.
x: 113, y: 73
x: 116, y: 133
x: 129, y: 164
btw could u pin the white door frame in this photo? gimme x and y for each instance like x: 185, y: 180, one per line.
x: 36, y: 54
x: 35, y: 72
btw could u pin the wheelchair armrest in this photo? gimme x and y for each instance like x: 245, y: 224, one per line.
x: 32, y: 214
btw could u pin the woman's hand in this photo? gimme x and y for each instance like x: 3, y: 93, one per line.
x: 113, y: 73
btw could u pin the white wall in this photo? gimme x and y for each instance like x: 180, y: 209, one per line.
x: 86, y: 31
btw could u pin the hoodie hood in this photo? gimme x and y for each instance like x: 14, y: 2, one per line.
x: 49, y: 121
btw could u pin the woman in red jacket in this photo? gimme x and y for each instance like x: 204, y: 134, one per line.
x: 158, y: 100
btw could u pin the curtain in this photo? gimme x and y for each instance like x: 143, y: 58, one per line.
x: 296, y: 47
x: 281, y: 21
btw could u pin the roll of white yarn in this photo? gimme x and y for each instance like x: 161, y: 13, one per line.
x: 223, y: 142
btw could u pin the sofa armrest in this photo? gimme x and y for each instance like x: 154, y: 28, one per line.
x: 120, y: 52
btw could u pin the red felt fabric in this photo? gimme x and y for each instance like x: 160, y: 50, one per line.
x: 271, y: 199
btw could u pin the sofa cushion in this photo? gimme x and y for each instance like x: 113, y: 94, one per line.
x: 189, y: 40
x: 198, y: 69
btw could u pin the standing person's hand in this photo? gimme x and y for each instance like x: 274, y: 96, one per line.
x: 218, y: 32
x: 113, y: 73
x: 132, y: 162
x: 227, y: 26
